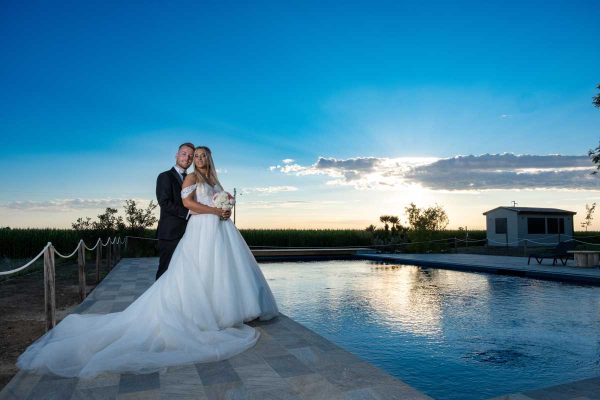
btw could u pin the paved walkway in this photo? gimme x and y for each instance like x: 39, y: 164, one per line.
x: 289, y: 362
x: 496, y: 264
x: 586, y: 389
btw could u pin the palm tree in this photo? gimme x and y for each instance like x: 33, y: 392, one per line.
x: 385, y: 219
x: 394, y: 221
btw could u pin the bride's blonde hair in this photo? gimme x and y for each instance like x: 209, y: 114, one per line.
x: 211, y: 171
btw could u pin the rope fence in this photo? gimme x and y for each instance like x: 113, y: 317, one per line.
x: 115, y: 245
x: 113, y: 255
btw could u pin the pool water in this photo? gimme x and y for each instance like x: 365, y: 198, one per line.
x: 450, y: 334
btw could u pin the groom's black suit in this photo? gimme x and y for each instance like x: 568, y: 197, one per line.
x: 173, y: 216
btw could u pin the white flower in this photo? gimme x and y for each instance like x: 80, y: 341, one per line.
x: 223, y: 200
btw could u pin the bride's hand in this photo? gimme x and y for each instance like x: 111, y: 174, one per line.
x: 226, y: 214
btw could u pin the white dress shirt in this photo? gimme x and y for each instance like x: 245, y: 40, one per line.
x: 180, y: 171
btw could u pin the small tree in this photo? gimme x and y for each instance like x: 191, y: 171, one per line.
x: 82, y: 224
x: 109, y: 221
x: 139, y: 218
x: 587, y: 222
x: 596, y: 98
x: 430, y: 219
x: 424, y: 224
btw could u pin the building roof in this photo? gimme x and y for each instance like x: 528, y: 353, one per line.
x: 533, y: 210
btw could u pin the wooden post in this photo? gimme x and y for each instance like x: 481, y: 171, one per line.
x: 525, y: 248
x: 116, y: 251
x: 119, y: 250
x: 49, y: 288
x: 126, y: 243
x: 108, y: 255
x: 81, y: 265
x: 455, y: 245
x: 98, y: 260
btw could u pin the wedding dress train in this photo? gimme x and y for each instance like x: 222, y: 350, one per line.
x: 194, y: 313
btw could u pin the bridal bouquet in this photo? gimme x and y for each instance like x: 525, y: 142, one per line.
x: 223, y: 200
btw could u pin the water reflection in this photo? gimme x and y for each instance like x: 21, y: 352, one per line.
x: 452, y: 334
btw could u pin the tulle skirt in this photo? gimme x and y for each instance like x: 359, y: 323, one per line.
x: 194, y: 313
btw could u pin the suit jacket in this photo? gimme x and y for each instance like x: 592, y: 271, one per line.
x: 173, y: 215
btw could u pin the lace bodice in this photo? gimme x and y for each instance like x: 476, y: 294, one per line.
x: 204, y: 192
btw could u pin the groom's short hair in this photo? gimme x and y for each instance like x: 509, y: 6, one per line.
x: 187, y: 144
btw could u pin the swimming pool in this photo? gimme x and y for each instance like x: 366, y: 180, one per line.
x: 450, y: 334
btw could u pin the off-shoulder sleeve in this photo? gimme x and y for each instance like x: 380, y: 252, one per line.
x: 185, y: 192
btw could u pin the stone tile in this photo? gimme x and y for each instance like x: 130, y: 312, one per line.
x: 95, y: 393
x: 119, y: 306
x: 143, y: 395
x: 398, y: 391
x: 350, y: 377
x: 314, y: 386
x: 287, y: 366
x: 53, y: 388
x: 104, y: 379
x: 20, y: 386
x: 276, y: 394
x: 248, y: 357
x: 270, y: 347
x: 260, y: 378
x: 105, y: 297
x: 361, y: 394
x: 181, y: 382
x: 100, y: 307
x: 340, y: 357
x: 136, y: 383
x: 308, y: 355
x: 217, y: 373
x: 320, y: 342
x: 291, y: 341
x: 226, y: 391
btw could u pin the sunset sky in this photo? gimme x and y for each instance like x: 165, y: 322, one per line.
x: 323, y: 114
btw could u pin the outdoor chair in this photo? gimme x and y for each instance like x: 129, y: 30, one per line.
x: 560, y: 252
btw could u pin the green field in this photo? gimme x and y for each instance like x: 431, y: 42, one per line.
x: 26, y: 243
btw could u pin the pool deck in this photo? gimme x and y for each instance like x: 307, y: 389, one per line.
x: 288, y: 362
x: 497, y: 265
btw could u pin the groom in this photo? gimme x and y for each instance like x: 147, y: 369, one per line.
x: 173, y: 215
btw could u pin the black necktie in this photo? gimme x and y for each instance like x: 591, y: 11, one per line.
x: 183, y: 175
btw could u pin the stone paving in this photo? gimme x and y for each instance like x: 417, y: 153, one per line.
x: 586, y: 389
x: 496, y: 264
x: 288, y: 362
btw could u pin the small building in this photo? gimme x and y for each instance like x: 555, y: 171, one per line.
x: 509, y: 226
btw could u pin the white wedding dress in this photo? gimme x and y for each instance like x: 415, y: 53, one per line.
x: 194, y: 313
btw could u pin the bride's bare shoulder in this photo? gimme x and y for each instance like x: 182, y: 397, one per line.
x: 189, y: 180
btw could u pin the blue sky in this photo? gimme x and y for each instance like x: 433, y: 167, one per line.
x: 96, y: 96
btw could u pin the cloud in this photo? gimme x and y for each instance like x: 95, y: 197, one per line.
x: 270, y: 189
x: 460, y: 173
x: 506, y: 116
x: 295, y: 204
x: 287, y: 161
x: 65, y: 204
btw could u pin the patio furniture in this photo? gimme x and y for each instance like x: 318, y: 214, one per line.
x: 586, y: 258
x: 561, y: 252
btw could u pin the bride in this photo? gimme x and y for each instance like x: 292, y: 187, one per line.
x: 194, y: 313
